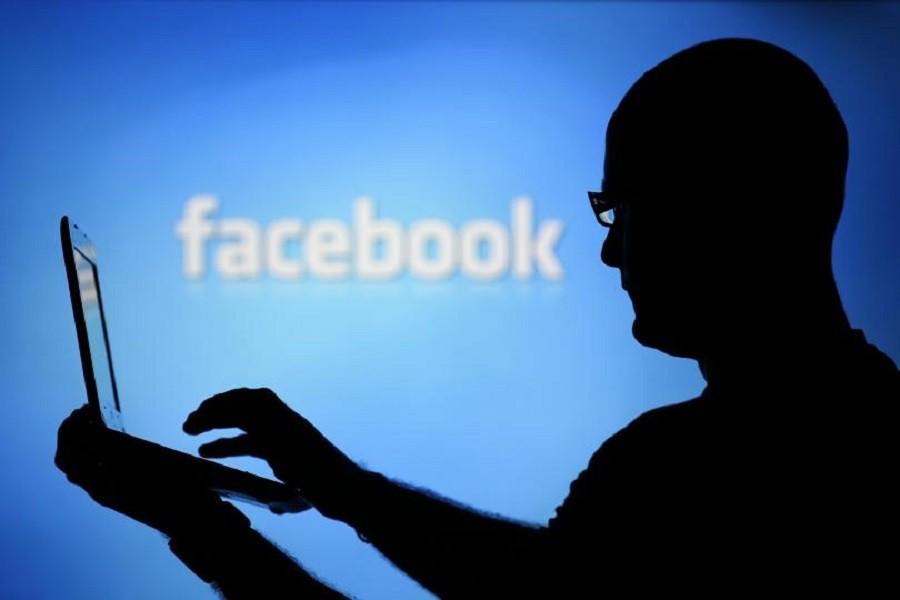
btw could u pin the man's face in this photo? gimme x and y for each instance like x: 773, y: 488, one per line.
x: 661, y: 251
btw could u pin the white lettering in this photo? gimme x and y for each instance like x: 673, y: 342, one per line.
x: 278, y: 234
x: 375, y: 249
x: 542, y: 250
x: 439, y: 233
x: 328, y: 249
x: 194, y: 230
x: 493, y: 235
x: 239, y: 259
x: 369, y: 232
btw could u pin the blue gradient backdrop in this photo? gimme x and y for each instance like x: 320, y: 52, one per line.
x: 494, y: 394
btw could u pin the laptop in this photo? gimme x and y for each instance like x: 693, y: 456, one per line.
x: 80, y: 257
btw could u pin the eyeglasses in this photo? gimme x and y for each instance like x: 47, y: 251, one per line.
x: 604, y: 207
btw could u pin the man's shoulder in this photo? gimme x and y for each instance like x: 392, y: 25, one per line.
x: 635, y: 467
x: 677, y: 417
x: 663, y: 415
x: 648, y: 438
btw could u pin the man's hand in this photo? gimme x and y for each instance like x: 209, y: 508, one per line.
x: 131, y: 484
x: 297, y: 453
x: 210, y: 536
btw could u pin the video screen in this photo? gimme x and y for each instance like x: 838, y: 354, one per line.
x: 379, y: 211
x: 95, y: 323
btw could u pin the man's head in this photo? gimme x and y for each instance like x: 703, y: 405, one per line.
x: 727, y: 162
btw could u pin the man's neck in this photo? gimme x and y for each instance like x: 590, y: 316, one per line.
x: 787, y: 347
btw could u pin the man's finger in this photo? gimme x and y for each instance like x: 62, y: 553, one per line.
x: 79, y: 419
x: 83, y: 412
x: 242, y: 445
x: 234, y: 408
x: 77, y: 441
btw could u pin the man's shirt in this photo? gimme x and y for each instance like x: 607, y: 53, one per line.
x: 774, y: 480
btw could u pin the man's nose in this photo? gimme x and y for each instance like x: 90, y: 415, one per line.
x: 611, y: 252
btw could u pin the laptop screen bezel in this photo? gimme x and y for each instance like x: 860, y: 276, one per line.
x: 75, y: 240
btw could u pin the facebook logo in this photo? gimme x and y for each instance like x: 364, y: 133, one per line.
x: 369, y: 247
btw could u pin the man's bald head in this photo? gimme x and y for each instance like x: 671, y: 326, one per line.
x: 730, y: 159
x: 742, y: 119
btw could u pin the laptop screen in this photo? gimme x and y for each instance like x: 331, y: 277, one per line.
x: 95, y: 324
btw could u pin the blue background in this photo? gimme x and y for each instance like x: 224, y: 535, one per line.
x: 494, y: 394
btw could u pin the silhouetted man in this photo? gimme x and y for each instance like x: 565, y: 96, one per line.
x: 723, y: 184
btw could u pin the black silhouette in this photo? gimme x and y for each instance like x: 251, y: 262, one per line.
x: 723, y: 185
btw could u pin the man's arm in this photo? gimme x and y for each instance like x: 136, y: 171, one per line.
x: 240, y: 563
x: 446, y: 547
x: 212, y: 537
x: 451, y: 550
